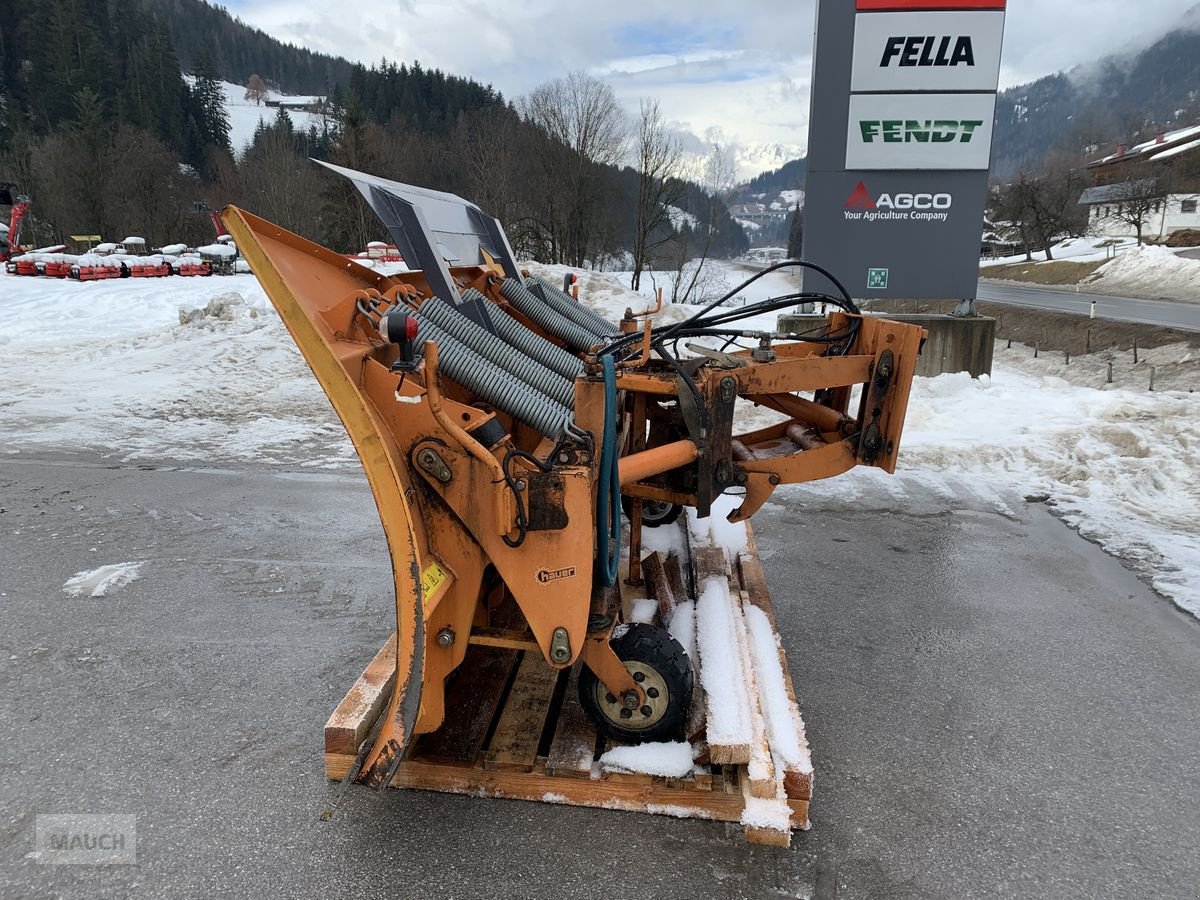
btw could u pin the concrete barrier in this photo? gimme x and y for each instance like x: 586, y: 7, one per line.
x: 955, y: 344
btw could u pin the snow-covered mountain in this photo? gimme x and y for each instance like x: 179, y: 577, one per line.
x: 747, y: 160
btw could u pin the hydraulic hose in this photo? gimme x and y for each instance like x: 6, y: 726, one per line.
x: 608, y: 491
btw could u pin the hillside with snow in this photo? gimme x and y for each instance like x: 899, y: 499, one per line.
x: 245, y: 115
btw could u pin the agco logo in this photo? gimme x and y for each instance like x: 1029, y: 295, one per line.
x: 928, y: 51
x: 921, y: 207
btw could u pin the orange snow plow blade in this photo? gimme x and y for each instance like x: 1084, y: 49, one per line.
x: 516, y: 444
x: 300, y: 279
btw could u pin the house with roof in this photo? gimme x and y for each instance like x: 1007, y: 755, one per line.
x: 1155, y: 184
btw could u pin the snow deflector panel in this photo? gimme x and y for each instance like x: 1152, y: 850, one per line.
x: 436, y: 231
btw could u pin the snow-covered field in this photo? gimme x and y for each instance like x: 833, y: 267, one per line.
x: 244, y: 115
x: 113, y: 368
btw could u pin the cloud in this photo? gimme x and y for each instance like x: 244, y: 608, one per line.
x: 744, y: 67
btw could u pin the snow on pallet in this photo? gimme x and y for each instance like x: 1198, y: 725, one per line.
x: 514, y: 727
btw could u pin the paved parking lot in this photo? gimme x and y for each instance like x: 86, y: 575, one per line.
x: 996, y: 707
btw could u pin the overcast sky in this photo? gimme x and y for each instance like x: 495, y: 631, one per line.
x: 741, y: 67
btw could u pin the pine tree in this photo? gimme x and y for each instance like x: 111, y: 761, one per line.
x: 209, y: 102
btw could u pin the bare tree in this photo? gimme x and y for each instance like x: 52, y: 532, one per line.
x: 659, y: 189
x: 1045, y: 204
x: 586, y: 127
x: 256, y: 90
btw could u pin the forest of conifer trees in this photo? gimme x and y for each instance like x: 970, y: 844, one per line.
x: 102, y: 128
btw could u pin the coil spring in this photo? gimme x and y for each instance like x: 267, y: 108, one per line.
x: 521, y: 366
x: 568, y: 306
x: 493, y: 385
x: 529, y: 342
x: 543, y: 315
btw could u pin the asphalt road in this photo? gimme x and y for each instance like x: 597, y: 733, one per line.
x: 996, y: 707
x: 1173, y: 314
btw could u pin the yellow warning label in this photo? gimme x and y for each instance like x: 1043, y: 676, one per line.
x: 432, y: 578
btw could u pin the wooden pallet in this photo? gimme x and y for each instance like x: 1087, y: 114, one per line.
x: 515, y: 730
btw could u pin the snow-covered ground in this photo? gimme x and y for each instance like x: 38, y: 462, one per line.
x: 107, y: 367
x: 1146, y: 271
x: 1091, y: 248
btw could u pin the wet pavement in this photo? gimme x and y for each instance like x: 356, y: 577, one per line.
x: 995, y: 706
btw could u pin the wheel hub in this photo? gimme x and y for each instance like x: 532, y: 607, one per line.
x: 656, y: 700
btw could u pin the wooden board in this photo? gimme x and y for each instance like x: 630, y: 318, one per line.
x: 514, y: 743
x: 347, y: 727
x: 515, y: 731
x: 573, y: 748
x: 472, y: 697
x: 797, y: 784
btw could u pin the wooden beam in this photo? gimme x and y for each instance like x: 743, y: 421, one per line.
x: 350, y: 723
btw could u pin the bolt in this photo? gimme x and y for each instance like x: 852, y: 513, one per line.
x: 652, y: 693
x: 639, y: 677
x: 520, y: 485
x: 445, y: 637
x: 630, y: 699
x: 647, y: 711
x: 610, y: 697
x: 626, y: 713
x: 728, y: 389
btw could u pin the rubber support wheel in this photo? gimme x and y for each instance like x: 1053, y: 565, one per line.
x: 663, y: 671
x: 654, y: 512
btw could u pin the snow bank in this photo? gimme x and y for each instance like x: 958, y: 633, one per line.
x: 229, y: 385
x: 1150, y: 271
x: 98, y: 582
x: 1121, y: 466
x: 1089, y: 248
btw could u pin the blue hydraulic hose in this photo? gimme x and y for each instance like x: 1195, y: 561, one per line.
x: 608, y: 493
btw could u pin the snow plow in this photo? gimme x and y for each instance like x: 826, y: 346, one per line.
x: 525, y: 456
